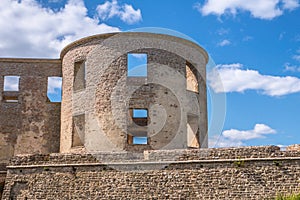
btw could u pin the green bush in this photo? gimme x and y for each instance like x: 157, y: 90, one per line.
x: 288, y: 197
x: 239, y: 163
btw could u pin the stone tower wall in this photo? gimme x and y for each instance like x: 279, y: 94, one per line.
x: 97, y: 109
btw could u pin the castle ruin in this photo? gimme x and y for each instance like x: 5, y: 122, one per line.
x: 132, y: 123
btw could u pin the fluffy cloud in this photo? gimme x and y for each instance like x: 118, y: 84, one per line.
x: 263, y: 9
x: 30, y: 30
x: 235, y: 79
x: 234, y: 138
x: 126, y: 12
x: 258, y: 132
x: 296, y: 57
x: 290, y: 4
x: 231, y: 66
x: 224, y: 43
x: 291, y: 68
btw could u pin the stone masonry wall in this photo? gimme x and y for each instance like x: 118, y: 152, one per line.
x: 295, y: 147
x: 105, y: 101
x: 222, y: 174
x: 31, y: 124
x: 2, y: 177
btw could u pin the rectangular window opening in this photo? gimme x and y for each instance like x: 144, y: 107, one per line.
x: 139, y: 140
x: 78, y: 130
x: 54, y: 89
x: 79, y: 75
x: 140, y: 113
x: 137, y: 127
x: 11, y: 83
x: 193, y: 131
x: 191, y: 78
x: 139, y: 116
x: 137, y: 65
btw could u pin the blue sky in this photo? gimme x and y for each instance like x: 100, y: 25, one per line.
x: 255, y: 45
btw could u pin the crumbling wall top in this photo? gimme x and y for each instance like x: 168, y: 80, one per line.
x: 154, y: 35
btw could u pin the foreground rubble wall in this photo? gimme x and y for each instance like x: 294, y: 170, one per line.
x: 231, y: 173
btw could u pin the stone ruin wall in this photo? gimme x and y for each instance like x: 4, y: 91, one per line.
x: 105, y: 62
x: 31, y: 124
x: 294, y: 147
x: 226, y: 173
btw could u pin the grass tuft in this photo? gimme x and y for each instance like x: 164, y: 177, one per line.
x: 288, y: 197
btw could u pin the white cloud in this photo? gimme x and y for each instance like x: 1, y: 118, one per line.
x: 233, y: 65
x: 221, y: 141
x: 291, y: 68
x: 224, y: 43
x: 30, y: 30
x: 258, y: 132
x: 263, y: 9
x: 54, y: 85
x: 223, y: 31
x: 198, y: 6
x: 235, y: 79
x: 235, y: 138
x: 296, y: 57
x: 126, y: 12
x: 290, y: 4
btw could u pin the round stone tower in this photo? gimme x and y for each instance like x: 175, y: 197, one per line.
x: 133, y: 91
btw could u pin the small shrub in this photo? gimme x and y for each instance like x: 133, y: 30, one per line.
x: 239, y: 163
x: 288, y: 197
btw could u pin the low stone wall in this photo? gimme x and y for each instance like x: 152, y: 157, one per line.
x: 219, y: 153
x: 2, y: 176
x: 155, y: 155
x: 230, y: 174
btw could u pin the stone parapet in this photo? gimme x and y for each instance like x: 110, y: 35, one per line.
x: 156, y: 155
